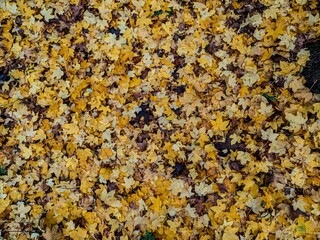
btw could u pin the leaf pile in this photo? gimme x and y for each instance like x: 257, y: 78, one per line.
x: 158, y: 120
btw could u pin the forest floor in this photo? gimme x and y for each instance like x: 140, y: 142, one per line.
x: 158, y: 119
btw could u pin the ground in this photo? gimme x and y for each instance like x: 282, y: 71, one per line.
x: 158, y: 119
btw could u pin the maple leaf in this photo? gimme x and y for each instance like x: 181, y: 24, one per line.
x: 295, y: 120
x: 52, y: 233
x: 156, y: 204
x: 109, y: 199
x: 138, y: 3
x: 287, y: 68
x: 4, y: 203
x: 78, y: 233
x: 26, y: 152
x: 254, y: 204
x: 47, y: 14
x: 118, y: 120
x: 71, y: 128
x: 218, y: 124
x: 23, y: 210
x: 203, y: 139
x: 250, y: 78
x: 301, y: 2
x: 106, y: 152
x: 203, y: 189
x: 230, y: 233
x: 128, y: 182
x: 40, y: 135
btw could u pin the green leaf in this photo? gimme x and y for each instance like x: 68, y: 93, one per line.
x: 148, y: 236
x: 269, y: 98
x: 3, y: 171
x: 157, y: 13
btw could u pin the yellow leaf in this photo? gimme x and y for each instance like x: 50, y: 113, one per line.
x: 203, y: 139
x: 26, y: 152
x: 298, y: 177
x: 3, y: 101
x: 105, y: 174
x: 4, y: 203
x: 86, y: 185
x: 17, y: 74
x: 243, y: 91
x: 301, y: 226
x: 156, y: 204
x: 230, y: 233
x: 123, y: 121
x: 83, y: 154
x: 106, y: 152
x: 70, y: 148
x: 267, y: 53
x: 81, y: 105
x: 109, y: 199
x: 303, y: 57
x: 78, y: 233
x: 71, y: 128
x: 316, y: 109
x: 288, y: 68
x: 40, y: 135
x: 237, y: 43
x: 219, y: 124
x: 71, y: 163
